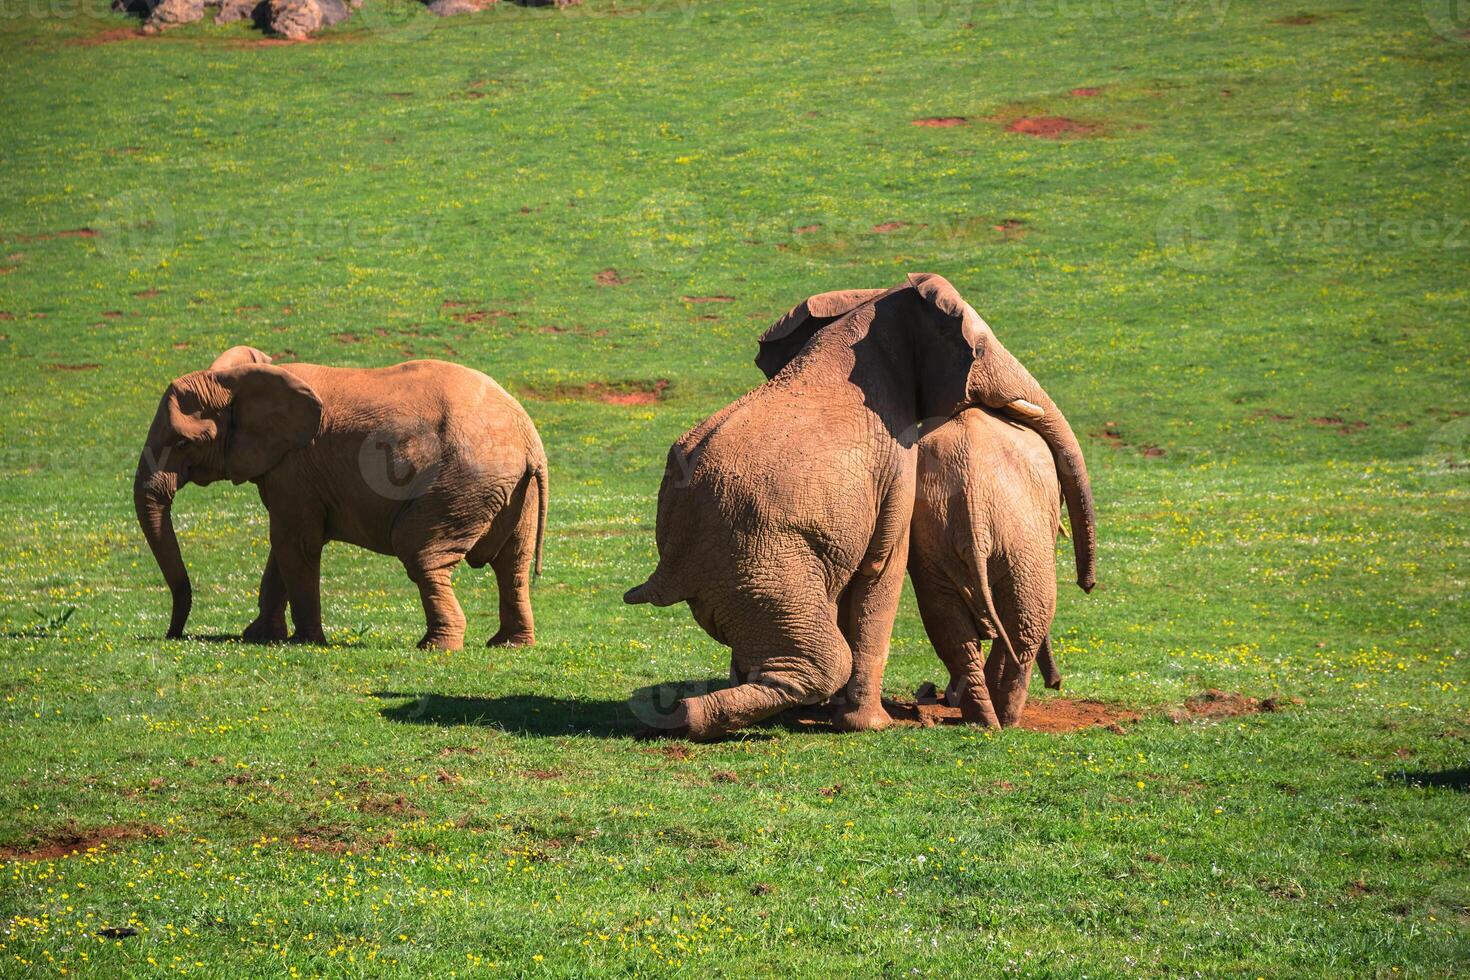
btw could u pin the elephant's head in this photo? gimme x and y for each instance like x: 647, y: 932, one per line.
x: 233, y: 421
x: 950, y: 335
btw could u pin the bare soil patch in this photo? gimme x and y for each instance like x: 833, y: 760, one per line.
x: 1052, y: 127
x: 480, y: 316
x: 110, y: 36
x: 942, y: 122
x: 1052, y: 715
x: 889, y: 226
x: 609, y: 393
x: 73, y: 841
x: 708, y: 299
x: 1340, y: 424
x: 58, y: 366
x: 808, y: 229
x: 1012, y: 228
x: 1223, y: 704
x: 609, y: 277
x: 46, y: 236
x: 391, y: 803
x: 1298, y: 20
x: 1085, y: 92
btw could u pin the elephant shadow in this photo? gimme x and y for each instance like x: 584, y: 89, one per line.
x: 644, y: 715
x: 1456, y: 779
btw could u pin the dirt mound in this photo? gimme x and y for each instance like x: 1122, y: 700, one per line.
x: 1052, y: 127
x: 609, y: 393
x: 1222, y: 704
x: 889, y: 226
x: 1085, y: 93
x: 1052, y: 715
x: 941, y: 122
x: 609, y: 277
x: 73, y: 841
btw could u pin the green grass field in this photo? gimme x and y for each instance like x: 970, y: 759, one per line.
x: 1246, y: 277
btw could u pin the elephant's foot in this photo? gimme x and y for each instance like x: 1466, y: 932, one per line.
x: 518, y: 637
x: 442, y: 640
x: 860, y: 718
x: 313, y: 637
x: 264, y: 630
x: 690, y: 720
x: 975, y: 713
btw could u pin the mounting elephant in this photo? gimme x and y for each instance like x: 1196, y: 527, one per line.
x: 982, y: 539
x: 783, y: 519
x: 428, y: 461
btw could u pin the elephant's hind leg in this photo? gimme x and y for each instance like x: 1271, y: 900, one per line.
x: 868, y: 608
x: 512, y: 559
x: 953, y: 632
x: 784, y: 663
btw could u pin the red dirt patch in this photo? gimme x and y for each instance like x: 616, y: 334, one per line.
x: 708, y: 299
x: 676, y: 752
x: 609, y: 277
x: 1051, y: 715
x: 1085, y: 93
x: 480, y: 316
x: 609, y: 393
x: 1298, y: 20
x: 46, y: 236
x: 6, y: 315
x: 1012, y: 228
x: 808, y: 229
x: 724, y: 776
x: 73, y: 841
x: 396, y: 804
x: 57, y: 366
x: 1338, y: 423
x: 1052, y: 127
x: 148, y: 293
x: 889, y: 226
x: 346, y: 338
x: 1222, y: 704
x: 942, y: 122
x: 108, y: 37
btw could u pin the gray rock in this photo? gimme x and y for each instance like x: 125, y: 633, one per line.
x: 297, y: 20
x: 172, y: 13
x: 231, y: 11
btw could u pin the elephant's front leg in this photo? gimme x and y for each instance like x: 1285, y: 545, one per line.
x: 296, y: 552
x: 867, y: 610
x: 444, y: 617
x: 270, y: 625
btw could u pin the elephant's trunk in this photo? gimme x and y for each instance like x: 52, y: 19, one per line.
x: 154, y: 487
x: 1043, y: 415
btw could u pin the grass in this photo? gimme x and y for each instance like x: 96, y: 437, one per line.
x: 1256, y: 262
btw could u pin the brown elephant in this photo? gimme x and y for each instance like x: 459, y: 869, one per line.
x: 783, y: 519
x: 986, y: 511
x: 983, y: 559
x: 428, y: 461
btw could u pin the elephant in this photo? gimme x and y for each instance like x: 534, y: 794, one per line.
x: 987, y: 509
x: 783, y: 519
x: 428, y: 461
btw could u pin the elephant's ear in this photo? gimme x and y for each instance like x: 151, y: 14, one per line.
x: 945, y: 299
x: 271, y: 413
x: 236, y: 356
x: 788, y: 335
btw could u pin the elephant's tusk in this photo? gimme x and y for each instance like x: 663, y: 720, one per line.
x: 1026, y: 409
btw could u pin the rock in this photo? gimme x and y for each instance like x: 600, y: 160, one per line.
x: 231, y: 11
x: 297, y: 20
x: 448, y: 8
x: 172, y: 13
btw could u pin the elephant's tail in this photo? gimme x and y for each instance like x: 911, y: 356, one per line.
x: 1048, y: 664
x: 538, y: 471
x: 656, y: 591
x: 982, y: 578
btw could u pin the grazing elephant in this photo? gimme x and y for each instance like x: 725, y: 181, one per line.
x: 986, y: 511
x: 428, y: 461
x: 783, y: 519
